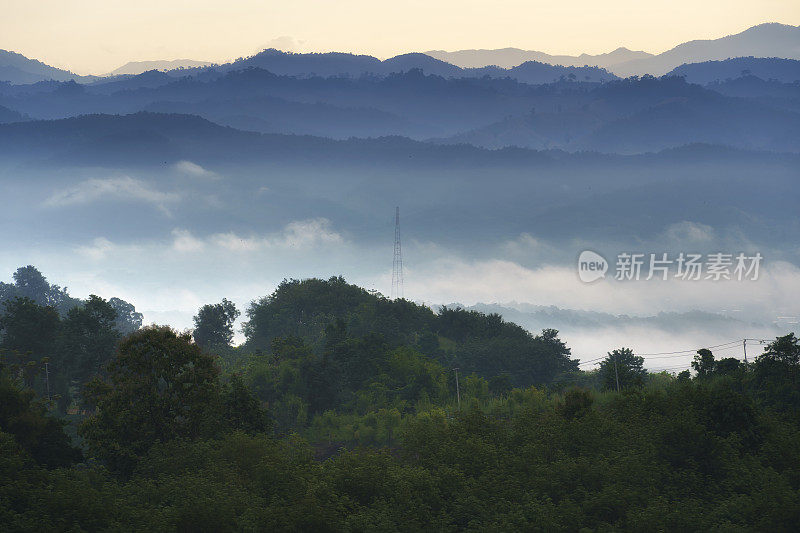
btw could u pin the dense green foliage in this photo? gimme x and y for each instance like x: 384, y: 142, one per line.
x: 345, y: 417
x: 691, y: 457
x: 30, y: 283
x: 29, y: 327
x: 60, y: 340
x: 161, y: 387
x: 213, y: 324
x: 27, y: 429
x: 622, y: 369
x: 469, y: 340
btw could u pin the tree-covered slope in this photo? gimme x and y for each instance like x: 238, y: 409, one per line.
x: 341, y: 413
x: 472, y: 341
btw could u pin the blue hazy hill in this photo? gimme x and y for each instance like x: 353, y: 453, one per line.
x: 135, y: 162
x: 644, y: 115
x: 18, y: 69
x: 353, y: 65
x: 626, y: 116
x: 766, y: 68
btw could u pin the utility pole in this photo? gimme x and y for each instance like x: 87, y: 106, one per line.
x: 47, y: 379
x: 458, y: 391
x: 616, y: 374
x: 744, y: 347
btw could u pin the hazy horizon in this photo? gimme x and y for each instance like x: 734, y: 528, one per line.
x: 116, y: 35
x: 232, y: 216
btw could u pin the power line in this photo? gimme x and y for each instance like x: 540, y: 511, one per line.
x: 590, y: 361
x: 676, y: 354
x: 669, y: 367
x: 689, y: 351
x: 683, y: 353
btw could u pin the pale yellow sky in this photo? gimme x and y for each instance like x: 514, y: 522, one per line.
x: 96, y: 36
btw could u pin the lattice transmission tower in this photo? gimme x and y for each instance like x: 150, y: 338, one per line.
x: 397, y: 264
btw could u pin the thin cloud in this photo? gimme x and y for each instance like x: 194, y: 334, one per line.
x: 189, y: 168
x: 689, y: 232
x: 184, y: 241
x: 286, y: 43
x: 297, y: 235
x: 124, y: 188
x: 101, y: 248
x: 497, y: 281
x: 301, y: 234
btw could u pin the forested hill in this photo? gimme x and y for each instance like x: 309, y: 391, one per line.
x: 325, y: 311
x: 337, y: 339
x: 341, y: 413
x: 573, y: 115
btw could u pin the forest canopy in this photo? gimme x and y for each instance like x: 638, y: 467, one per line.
x: 347, y: 411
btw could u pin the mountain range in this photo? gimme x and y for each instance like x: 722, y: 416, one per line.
x: 511, y: 57
x: 18, y: 69
x: 537, y: 142
x: 619, y: 116
x: 649, y: 115
x: 137, y: 67
x: 354, y: 66
x: 764, y: 40
x: 411, y: 104
x: 782, y: 70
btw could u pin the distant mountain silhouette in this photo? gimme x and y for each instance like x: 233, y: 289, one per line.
x: 147, y: 136
x: 771, y: 40
x: 766, y: 68
x: 351, y: 65
x: 411, y: 103
x: 647, y: 115
x: 314, y: 64
x: 427, y: 64
x: 141, y: 137
x: 536, y: 73
x: 18, y: 69
x: 137, y: 67
x: 537, y: 317
x: 149, y: 80
x: 512, y: 57
x: 710, y: 120
x: 775, y: 92
x: 152, y: 138
x: 149, y: 74
x: 269, y: 114
x: 9, y: 89
x: 764, y: 40
x: 622, y: 116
